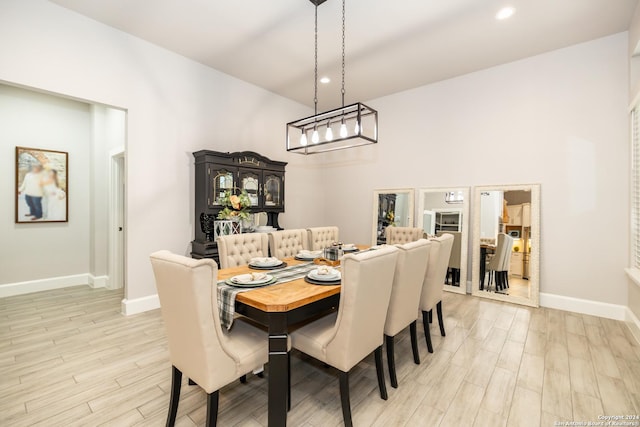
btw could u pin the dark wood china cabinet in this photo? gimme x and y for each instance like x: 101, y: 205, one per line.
x: 217, y: 172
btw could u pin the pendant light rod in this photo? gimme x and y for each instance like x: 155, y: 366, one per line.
x: 343, y: 44
x: 315, y: 60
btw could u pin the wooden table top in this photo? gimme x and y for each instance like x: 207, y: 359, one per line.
x: 282, y: 296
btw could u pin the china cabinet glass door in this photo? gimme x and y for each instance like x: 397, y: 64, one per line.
x: 273, y: 190
x: 221, y: 181
x: 250, y: 182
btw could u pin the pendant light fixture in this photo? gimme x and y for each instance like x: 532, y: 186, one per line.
x: 345, y: 127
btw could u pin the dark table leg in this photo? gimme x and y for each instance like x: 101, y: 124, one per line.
x: 278, y: 370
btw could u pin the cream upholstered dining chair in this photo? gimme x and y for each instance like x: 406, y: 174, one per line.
x: 402, y: 235
x: 345, y: 338
x: 198, y: 347
x: 238, y: 249
x: 405, y: 299
x: 454, y: 260
x: 432, y: 286
x: 287, y: 243
x: 322, y: 237
x: 496, y: 264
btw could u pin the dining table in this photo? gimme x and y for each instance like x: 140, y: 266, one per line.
x: 279, y: 307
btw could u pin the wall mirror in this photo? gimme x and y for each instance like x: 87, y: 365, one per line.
x: 391, y: 208
x: 506, y: 243
x: 446, y: 210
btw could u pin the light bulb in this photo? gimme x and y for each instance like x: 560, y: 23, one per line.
x: 315, y: 137
x: 329, y: 135
x: 303, y: 139
x: 343, y: 131
x: 357, y: 128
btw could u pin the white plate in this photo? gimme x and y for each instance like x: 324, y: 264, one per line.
x: 251, y: 279
x: 349, y: 247
x: 325, y: 277
x: 265, y: 262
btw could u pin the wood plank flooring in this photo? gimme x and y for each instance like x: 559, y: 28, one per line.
x: 69, y: 358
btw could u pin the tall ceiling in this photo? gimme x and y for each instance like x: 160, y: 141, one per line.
x: 391, y: 45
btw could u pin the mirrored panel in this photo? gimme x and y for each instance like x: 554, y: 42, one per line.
x: 506, y: 243
x: 391, y: 208
x: 446, y: 210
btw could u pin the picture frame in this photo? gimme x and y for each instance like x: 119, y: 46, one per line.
x: 42, y: 186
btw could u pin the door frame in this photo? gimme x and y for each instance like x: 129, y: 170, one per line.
x: 117, y: 218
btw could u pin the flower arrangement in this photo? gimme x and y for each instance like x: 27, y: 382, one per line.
x: 235, y: 206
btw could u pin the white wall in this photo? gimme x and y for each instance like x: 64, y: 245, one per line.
x: 44, y: 250
x: 174, y: 107
x: 558, y: 119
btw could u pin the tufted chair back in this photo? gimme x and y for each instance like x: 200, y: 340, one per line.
x: 322, y: 237
x: 238, y: 249
x: 433, y: 284
x: 402, y: 235
x: 287, y: 243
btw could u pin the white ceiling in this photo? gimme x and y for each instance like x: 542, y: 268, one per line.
x: 391, y: 45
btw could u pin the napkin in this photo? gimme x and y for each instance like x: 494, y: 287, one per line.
x: 325, y: 270
x: 248, y: 278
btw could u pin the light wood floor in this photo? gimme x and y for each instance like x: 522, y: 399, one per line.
x: 67, y: 358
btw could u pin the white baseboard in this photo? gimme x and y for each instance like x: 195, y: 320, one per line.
x: 584, y: 306
x: 98, y: 281
x: 139, y: 305
x: 20, y: 288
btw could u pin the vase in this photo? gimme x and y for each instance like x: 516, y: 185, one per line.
x: 226, y: 227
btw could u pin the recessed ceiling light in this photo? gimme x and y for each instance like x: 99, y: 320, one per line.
x: 325, y: 80
x: 505, y: 12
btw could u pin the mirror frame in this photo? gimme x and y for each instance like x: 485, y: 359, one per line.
x: 464, y: 243
x: 534, y: 255
x: 374, y: 226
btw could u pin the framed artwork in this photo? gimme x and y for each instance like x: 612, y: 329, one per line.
x: 42, y: 185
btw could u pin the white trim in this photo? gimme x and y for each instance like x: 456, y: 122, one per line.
x: 139, y: 305
x: 98, y: 281
x: 20, y: 288
x: 633, y: 324
x: 584, y: 306
x: 633, y: 274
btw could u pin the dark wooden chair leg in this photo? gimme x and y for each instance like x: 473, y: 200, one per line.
x: 212, y: 409
x: 344, y: 398
x: 191, y: 382
x: 176, y: 383
x: 440, y: 322
x: 431, y: 316
x: 427, y: 333
x: 413, y: 329
x: 391, y: 361
x: 289, y: 381
x: 382, y: 385
x: 243, y: 379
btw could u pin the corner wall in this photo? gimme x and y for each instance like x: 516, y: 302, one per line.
x: 558, y: 119
x: 38, y: 251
